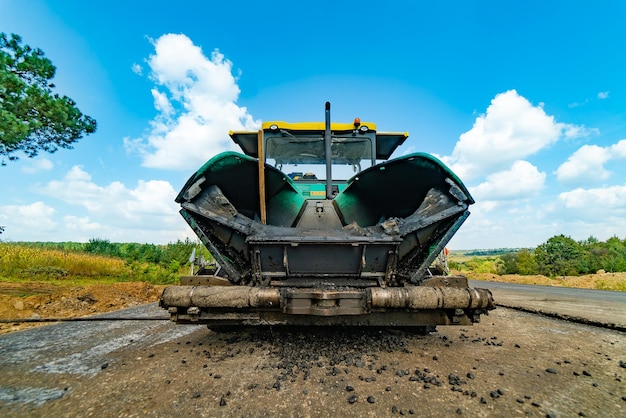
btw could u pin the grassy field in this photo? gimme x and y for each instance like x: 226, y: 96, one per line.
x: 485, y: 267
x: 23, y: 264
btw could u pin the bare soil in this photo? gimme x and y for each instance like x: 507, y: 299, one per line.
x: 43, y: 300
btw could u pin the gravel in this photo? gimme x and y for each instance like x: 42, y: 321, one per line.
x: 354, y: 372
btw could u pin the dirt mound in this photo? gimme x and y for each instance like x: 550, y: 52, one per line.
x: 49, y: 301
x: 601, y: 280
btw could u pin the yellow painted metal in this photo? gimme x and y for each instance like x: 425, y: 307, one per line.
x: 316, y: 126
x: 261, y: 151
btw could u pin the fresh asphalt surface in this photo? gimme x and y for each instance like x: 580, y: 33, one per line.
x: 83, y: 348
x: 596, y: 307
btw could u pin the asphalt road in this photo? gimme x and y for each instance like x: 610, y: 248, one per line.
x: 595, y: 307
x: 541, y: 365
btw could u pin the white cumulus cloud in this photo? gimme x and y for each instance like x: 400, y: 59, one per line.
x: 587, y: 164
x: 83, y: 225
x: 619, y: 150
x: 149, y: 202
x: 612, y: 197
x: 145, y: 213
x: 27, y: 221
x: 195, y: 97
x: 522, y: 180
x: 510, y: 130
x: 604, y: 207
x: 37, y: 165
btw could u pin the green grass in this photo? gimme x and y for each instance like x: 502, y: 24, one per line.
x: 22, y: 263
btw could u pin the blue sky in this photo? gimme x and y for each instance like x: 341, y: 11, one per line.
x: 526, y: 102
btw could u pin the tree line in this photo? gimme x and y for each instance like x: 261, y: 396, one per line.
x: 563, y: 256
x: 558, y: 256
x: 171, y: 256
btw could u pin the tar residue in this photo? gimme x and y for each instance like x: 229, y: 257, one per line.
x: 299, y: 350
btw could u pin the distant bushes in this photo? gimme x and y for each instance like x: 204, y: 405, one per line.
x: 482, y: 264
x: 559, y: 256
x: 162, y: 264
x: 97, y: 259
x: 164, y: 255
x: 562, y: 256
